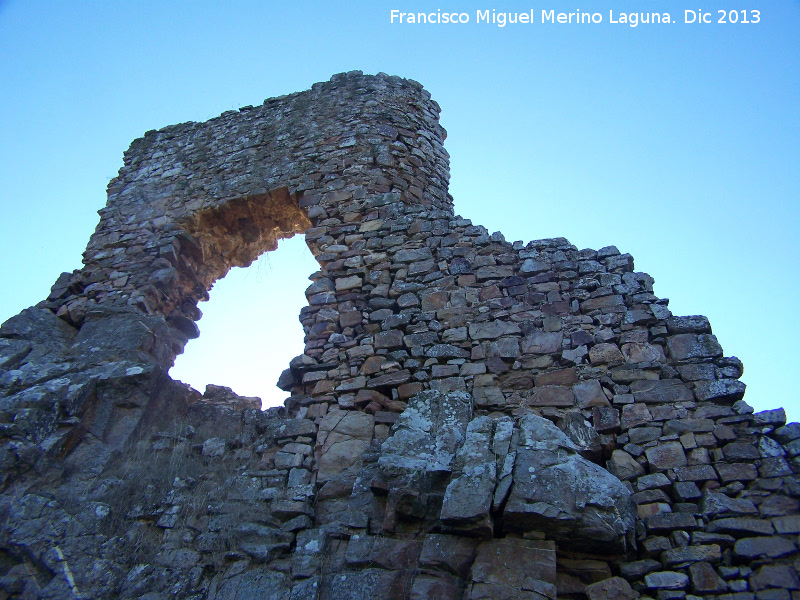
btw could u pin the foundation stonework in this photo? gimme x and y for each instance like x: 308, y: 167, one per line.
x: 470, y: 419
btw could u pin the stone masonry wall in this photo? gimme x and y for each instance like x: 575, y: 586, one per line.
x: 471, y: 418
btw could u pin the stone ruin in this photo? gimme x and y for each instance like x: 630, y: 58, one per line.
x: 470, y: 419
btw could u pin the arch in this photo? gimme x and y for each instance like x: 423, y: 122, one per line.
x: 249, y: 330
x: 193, y: 199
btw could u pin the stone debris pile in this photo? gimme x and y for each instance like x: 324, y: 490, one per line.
x: 470, y: 418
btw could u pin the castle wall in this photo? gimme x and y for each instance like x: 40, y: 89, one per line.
x: 470, y: 418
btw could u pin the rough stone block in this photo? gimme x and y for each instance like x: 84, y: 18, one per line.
x: 552, y: 396
x: 635, y: 414
x: 690, y: 346
x: 761, y: 547
x: 515, y: 563
x: 589, y: 393
x: 562, y: 377
x: 624, y: 466
x: 661, y: 391
x: 542, y: 343
x: 614, y: 587
x: 367, y: 584
x: 492, y: 330
x: 667, y: 455
x: 439, y: 586
x: 667, y: 580
x: 705, y: 579
x: 386, y: 553
x: 671, y: 521
x: 557, y: 491
x: 605, y: 353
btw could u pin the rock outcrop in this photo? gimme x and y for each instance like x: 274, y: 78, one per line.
x: 471, y: 418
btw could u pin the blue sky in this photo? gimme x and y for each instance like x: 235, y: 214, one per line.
x: 678, y: 143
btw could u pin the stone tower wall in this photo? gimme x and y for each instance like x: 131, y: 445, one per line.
x: 471, y: 418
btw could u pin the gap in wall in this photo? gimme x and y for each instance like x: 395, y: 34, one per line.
x: 250, y: 329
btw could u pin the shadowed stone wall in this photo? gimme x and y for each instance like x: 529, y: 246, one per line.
x: 471, y: 418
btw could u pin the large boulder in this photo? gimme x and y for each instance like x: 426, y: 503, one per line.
x: 557, y: 491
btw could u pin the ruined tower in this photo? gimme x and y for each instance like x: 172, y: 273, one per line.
x: 471, y: 418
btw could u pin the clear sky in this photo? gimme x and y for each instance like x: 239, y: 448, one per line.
x: 678, y: 143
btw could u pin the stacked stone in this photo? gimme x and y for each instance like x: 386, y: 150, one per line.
x: 718, y: 505
x: 195, y: 199
x: 470, y: 418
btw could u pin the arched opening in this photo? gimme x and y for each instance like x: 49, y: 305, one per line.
x: 250, y: 328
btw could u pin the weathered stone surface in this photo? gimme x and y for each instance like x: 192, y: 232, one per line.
x: 389, y: 380
x: 385, y: 553
x: 635, y: 414
x: 518, y: 564
x: 366, y: 584
x: 705, y: 579
x: 690, y: 324
x: 552, y: 395
x: 736, y: 472
x: 670, y: 521
x: 613, y: 588
x: 348, y: 283
x: 533, y: 266
x: 741, y: 526
x: 582, y: 434
x: 758, y: 547
x: 342, y: 439
x: 661, y: 391
x: 775, y: 417
x: 787, y: 433
x: 602, y: 303
x: 687, y: 346
x: 624, y: 466
x: 778, y: 505
x: 489, y: 396
x: 723, y: 389
x: 269, y: 585
x: 643, y: 353
x: 412, y: 255
x: 681, y: 557
x: 428, y: 433
x: 605, y: 354
x: 653, y: 481
x: 452, y: 553
x: 589, y: 393
x: 696, y: 473
x: 291, y: 428
x: 389, y: 339
x: 562, y: 377
x: 775, y: 576
x: 666, y: 580
x: 492, y: 330
x: 790, y: 524
x: 558, y: 491
x: 605, y: 419
x: 668, y: 455
x: 542, y: 343
x: 435, y: 586
x: 638, y: 569
x: 574, y: 575
x: 468, y: 497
